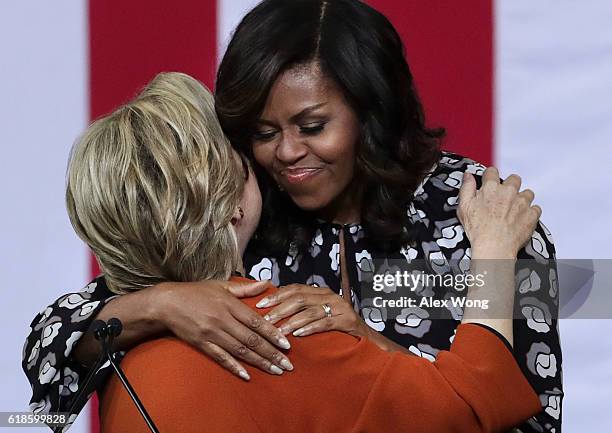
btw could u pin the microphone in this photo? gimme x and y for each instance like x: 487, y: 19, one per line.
x: 98, y: 328
x: 114, y: 326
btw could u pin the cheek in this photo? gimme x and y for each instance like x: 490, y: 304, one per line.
x: 340, y: 149
x: 264, y: 155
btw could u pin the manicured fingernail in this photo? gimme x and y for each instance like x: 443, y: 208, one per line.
x: 243, y: 374
x: 262, y: 303
x: 299, y: 332
x: 274, y: 369
x: 286, y: 364
x: 284, y: 343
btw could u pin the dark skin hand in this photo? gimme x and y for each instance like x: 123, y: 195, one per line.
x: 303, y: 304
x: 207, y: 314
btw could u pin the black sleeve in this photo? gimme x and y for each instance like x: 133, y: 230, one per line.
x: 537, y: 348
x: 54, y: 376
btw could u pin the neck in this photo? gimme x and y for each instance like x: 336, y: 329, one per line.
x: 240, y: 266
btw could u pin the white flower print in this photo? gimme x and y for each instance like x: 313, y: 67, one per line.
x: 365, y: 266
x: 451, y: 236
x: 374, y: 318
x: 421, y: 353
x: 91, y: 287
x: 47, y: 373
x: 71, y: 382
x: 34, y: 352
x: 72, y: 301
x: 74, y: 337
x: 50, y: 332
x: 438, y: 262
x: 475, y: 168
x: 454, y: 179
x: 414, y: 212
x: 530, y: 282
x: 537, y: 314
x: 541, y: 361
x: 41, y: 407
x: 262, y: 270
x: 410, y: 253
x: 546, y: 365
x: 88, y: 308
x: 318, y: 238
x: 553, y: 405
x: 45, y: 314
x: 364, y: 260
x: 334, y: 255
x: 538, y: 245
x: 413, y: 321
x: 448, y: 160
x: 290, y: 260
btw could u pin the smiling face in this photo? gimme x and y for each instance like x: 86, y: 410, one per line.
x: 306, y: 139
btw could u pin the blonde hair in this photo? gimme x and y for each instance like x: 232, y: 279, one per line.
x: 152, y: 188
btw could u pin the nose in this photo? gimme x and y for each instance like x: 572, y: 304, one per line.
x: 290, y: 148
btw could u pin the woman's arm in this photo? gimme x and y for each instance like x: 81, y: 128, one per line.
x: 205, y: 314
x: 208, y: 315
x: 138, y: 314
x: 54, y: 374
x: 537, y: 346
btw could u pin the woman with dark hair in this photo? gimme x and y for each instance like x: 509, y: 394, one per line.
x: 319, y: 96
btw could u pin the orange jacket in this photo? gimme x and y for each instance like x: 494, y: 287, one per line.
x: 340, y: 384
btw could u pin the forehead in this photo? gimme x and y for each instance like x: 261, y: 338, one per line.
x: 299, y: 87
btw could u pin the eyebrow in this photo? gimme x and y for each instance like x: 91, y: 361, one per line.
x: 296, y: 117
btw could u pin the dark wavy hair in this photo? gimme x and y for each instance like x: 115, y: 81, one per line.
x: 358, y: 48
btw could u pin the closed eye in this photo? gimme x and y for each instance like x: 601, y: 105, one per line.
x: 312, y: 128
x: 264, y: 135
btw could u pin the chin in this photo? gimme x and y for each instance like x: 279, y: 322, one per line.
x: 311, y: 202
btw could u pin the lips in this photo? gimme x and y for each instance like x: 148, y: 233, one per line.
x: 299, y: 175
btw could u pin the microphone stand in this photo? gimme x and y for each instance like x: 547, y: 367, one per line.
x: 97, y: 328
x: 114, y: 328
x: 105, y: 333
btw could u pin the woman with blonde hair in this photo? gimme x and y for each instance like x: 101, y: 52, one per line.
x: 157, y: 192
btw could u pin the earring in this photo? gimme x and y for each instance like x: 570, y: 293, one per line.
x: 280, y: 188
x: 241, y: 212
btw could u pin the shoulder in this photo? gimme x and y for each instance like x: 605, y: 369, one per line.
x: 436, y: 197
x: 447, y: 173
x: 160, y: 352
